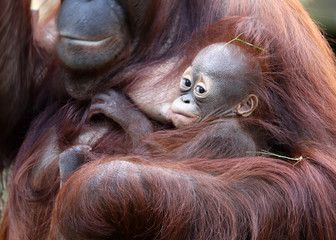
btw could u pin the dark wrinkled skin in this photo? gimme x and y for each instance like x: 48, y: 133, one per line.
x: 94, y: 36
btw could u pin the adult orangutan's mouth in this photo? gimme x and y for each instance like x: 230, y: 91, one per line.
x: 84, y: 42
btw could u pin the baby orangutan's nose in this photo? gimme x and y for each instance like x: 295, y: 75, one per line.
x: 185, y: 99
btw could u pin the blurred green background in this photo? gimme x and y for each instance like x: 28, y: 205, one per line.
x: 324, y: 14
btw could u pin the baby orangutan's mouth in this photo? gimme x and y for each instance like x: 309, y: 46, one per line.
x: 181, y: 119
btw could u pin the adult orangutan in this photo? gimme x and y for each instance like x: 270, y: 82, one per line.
x: 170, y: 196
x: 266, y: 198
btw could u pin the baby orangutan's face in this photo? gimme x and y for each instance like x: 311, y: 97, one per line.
x: 214, y: 84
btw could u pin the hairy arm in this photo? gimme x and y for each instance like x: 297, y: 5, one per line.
x: 16, y: 67
x: 25, y: 71
x: 249, y: 198
x: 223, y: 139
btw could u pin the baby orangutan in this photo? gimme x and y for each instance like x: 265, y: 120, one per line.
x: 219, y: 83
x: 218, y: 88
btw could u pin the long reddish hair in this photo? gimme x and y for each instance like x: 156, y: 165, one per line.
x: 268, y: 198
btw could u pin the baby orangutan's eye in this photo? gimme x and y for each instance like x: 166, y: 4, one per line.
x: 200, y: 90
x: 185, y: 84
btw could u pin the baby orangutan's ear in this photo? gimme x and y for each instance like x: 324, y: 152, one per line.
x: 246, y: 107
